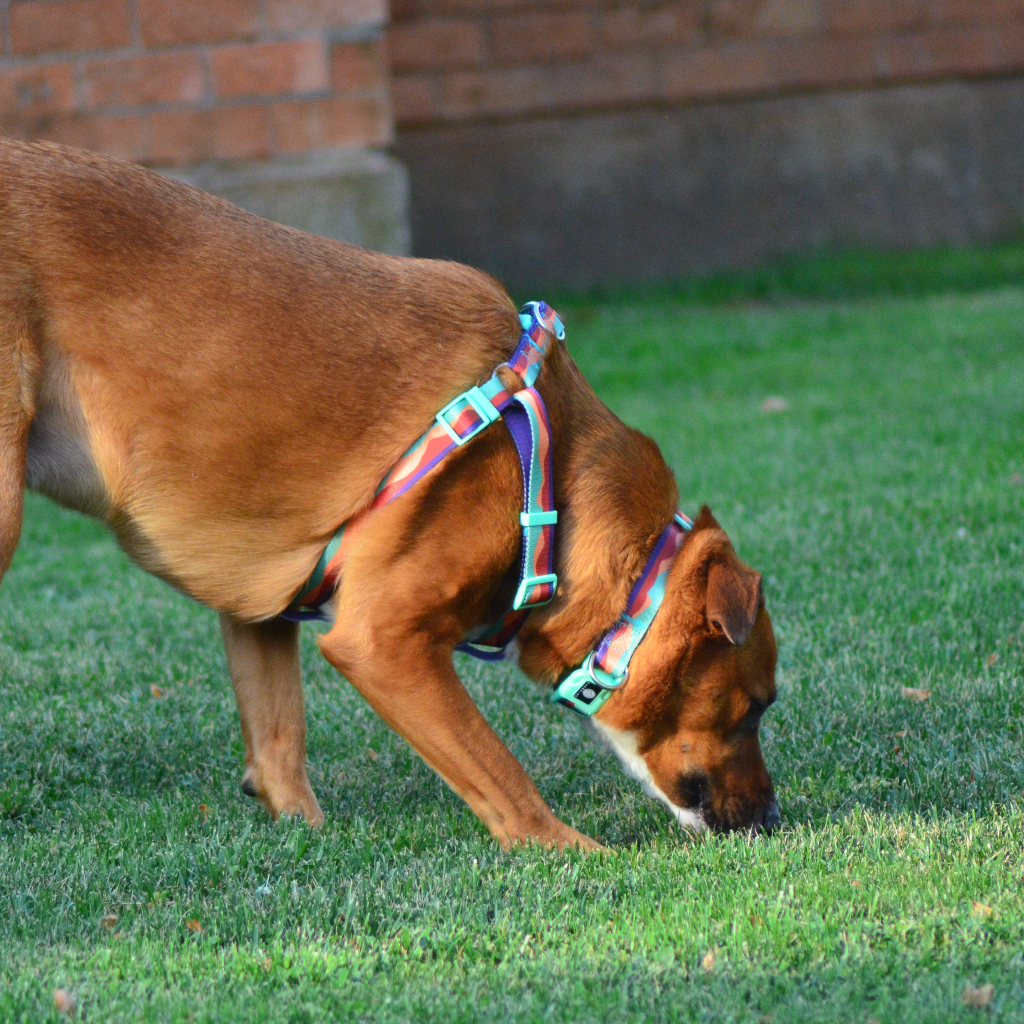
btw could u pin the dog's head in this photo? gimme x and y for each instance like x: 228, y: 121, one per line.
x: 686, y: 721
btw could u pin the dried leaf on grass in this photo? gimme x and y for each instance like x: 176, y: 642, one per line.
x: 204, y: 810
x: 774, y: 404
x: 194, y: 926
x: 981, y: 909
x: 64, y: 1001
x: 980, y: 996
x: 992, y: 659
x: 155, y: 691
x: 708, y: 960
x: 108, y: 921
x: 913, y: 693
x: 372, y: 754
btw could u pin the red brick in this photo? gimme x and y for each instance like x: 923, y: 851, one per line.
x: 745, y: 18
x: 717, y: 71
x: 789, y: 17
x: 358, y: 66
x: 825, y: 63
x: 975, y: 12
x: 222, y: 133
x: 534, y: 37
x: 643, y: 25
x: 170, y: 22
x: 154, y: 78
x: 301, y: 125
x: 269, y: 69
x: 127, y: 137
x: 440, y: 7
x: 435, y: 44
x: 604, y: 81
x: 416, y: 99
x: 945, y: 52
x: 291, y: 16
x: 747, y: 68
x: 466, y: 94
x: 36, y: 91
x: 405, y: 10
x: 72, y: 25
x: 731, y: 17
x: 878, y: 16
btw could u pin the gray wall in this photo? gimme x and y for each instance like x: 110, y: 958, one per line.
x: 653, y: 194
x: 352, y: 194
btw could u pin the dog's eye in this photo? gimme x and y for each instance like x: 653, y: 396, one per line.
x: 752, y: 719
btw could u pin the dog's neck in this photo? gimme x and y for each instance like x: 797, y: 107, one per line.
x: 615, y: 495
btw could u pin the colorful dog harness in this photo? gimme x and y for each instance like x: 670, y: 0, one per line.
x: 587, y: 688
x: 607, y: 667
x: 460, y: 421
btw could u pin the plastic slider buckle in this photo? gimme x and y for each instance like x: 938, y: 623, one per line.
x: 528, y: 584
x: 481, y: 406
x: 529, y: 519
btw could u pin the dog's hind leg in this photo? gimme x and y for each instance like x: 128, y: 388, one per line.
x: 15, y: 414
x: 264, y: 661
x: 13, y: 443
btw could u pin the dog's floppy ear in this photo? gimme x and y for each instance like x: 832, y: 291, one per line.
x: 734, y: 593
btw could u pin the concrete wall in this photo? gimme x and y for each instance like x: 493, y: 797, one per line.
x: 587, y: 140
x: 659, y: 193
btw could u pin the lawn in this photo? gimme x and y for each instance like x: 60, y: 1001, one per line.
x: 884, y: 506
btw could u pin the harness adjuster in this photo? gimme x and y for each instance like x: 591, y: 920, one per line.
x: 529, y: 519
x: 528, y: 583
x: 481, y: 406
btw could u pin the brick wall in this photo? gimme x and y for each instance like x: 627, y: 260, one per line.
x: 178, y: 82
x: 458, y: 61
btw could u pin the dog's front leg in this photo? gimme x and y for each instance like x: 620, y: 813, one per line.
x: 264, y: 661
x: 411, y: 683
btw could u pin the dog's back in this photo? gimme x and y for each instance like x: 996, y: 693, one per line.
x: 199, y: 376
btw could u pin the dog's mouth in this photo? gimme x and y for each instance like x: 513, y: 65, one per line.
x: 763, y: 821
x: 693, y: 805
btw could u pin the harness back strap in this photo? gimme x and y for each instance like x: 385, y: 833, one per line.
x: 458, y: 422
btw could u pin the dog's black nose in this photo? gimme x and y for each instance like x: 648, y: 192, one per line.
x: 772, y: 818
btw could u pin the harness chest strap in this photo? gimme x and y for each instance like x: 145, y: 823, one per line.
x: 606, y: 668
x: 458, y: 422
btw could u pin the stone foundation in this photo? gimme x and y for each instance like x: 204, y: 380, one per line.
x: 660, y: 192
x: 354, y: 195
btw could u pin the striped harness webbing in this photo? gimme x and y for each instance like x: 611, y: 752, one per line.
x: 460, y: 421
x: 606, y: 668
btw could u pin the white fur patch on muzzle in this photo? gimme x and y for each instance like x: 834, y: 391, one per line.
x: 625, y: 747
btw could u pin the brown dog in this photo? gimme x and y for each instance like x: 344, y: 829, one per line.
x: 223, y: 392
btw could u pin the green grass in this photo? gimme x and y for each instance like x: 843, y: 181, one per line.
x: 882, y: 508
